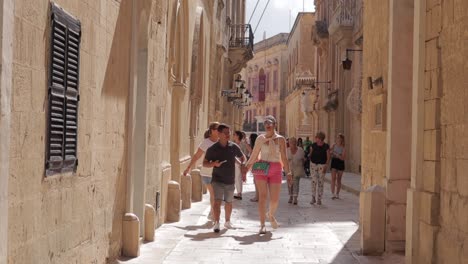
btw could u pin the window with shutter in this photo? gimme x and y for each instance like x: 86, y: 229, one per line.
x: 63, y: 92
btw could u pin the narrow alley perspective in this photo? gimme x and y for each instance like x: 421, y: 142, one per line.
x: 335, y: 130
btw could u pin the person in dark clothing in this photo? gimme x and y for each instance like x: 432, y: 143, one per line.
x: 307, y: 144
x: 319, y: 158
x: 222, y: 158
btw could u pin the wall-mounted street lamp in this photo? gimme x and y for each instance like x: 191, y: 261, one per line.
x: 347, y: 62
x: 237, y: 92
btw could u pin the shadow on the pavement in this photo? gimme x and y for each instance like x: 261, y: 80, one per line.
x: 254, y: 238
x: 350, y: 253
x: 204, y: 236
x: 206, y: 225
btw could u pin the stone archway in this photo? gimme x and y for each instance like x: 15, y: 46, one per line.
x: 196, y: 78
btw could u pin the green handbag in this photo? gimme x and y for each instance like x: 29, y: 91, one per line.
x: 261, y: 168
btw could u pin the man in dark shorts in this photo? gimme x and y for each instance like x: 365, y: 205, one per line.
x: 222, y: 157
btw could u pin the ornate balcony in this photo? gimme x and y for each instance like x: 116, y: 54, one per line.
x: 358, y: 26
x: 321, y: 29
x: 342, y: 20
x: 240, y: 46
x: 320, y: 35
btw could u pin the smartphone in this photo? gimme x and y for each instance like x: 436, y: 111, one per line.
x: 221, y: 162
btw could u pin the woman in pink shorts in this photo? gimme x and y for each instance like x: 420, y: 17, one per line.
x: 269, y: 148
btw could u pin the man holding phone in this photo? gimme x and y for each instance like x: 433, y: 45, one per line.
x: 222, y: 157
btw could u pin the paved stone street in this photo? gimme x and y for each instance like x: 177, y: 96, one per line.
x: 307, y: 234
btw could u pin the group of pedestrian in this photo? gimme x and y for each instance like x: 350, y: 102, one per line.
x: 268, y: 156
x: 318, y: 156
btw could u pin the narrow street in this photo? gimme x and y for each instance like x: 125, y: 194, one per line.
x: 307, y: 234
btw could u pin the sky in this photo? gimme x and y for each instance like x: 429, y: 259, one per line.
x: 276, y: 18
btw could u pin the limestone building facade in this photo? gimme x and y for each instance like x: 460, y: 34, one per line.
x: 337, y: 35
x: 300, y: 93
x: 102, y: 104
x: 414, y: 126
x: 265, y: 75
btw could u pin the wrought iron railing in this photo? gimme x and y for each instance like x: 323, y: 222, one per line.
x: 241, y: 36
x: 358, y: 16
x: 343, y: 14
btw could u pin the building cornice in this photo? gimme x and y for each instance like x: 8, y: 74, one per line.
x: 298, y: 17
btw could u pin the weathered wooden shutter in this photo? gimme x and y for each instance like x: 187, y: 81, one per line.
x: 63, y: 92
x: 72, y: 97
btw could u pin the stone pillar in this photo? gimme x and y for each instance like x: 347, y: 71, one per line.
x: 372, y: 208
x: 137, y: 116
x: 186, y: 191
x: 423, y: 201
x: 131, y: 236
x: 400, y: 76
x: 178, y: 94
x: 6, y: 57
x: 173, y: 202
x: 197, y: 184
x: 150, y: 214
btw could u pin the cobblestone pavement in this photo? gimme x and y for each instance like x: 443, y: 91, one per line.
x: 307, y: 234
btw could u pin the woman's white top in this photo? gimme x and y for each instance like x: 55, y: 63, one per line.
x: 270, y: 149
x: 296, y: 161
x: 204, y: 145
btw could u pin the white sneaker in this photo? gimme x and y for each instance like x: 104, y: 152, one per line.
x: 216, y: 227
x: 228, y: 225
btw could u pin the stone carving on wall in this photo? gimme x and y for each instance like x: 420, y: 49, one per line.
x: 308, y: 101
x: 305, y: 81
x: 332, y: 101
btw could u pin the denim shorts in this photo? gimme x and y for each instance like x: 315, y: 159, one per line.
x: 223, y: 191
x: 206, y: 180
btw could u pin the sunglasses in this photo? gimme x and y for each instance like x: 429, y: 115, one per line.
x: 268, y: 123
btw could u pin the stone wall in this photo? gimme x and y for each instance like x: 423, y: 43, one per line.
x: 76, y: 217
x: 157, y: 106
x: 137, y: 80
x: 50, y: 218
x: 446, y: 128
x: 375, y: 56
